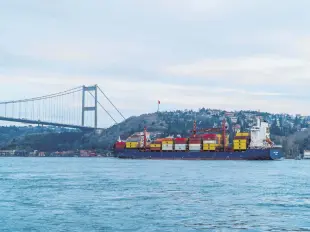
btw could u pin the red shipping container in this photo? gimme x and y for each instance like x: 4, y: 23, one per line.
x: 194, y: 142
x: 195, y: 139
x: 156, y: 142
x: 209, y: 136
x: 180, y: 140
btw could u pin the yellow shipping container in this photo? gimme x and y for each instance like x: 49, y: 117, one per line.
x: 219, y: 139
x: 242, y: 134
x: 239, y: 147
x: 167, y: 142
x: 209, y: 147
x: 155, y: 145
x: 240, y: 141
x: 132, y: 144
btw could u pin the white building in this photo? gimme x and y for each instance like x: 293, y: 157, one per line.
x: 306, y: 154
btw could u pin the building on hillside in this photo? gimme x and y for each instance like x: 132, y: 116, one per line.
x: 306, y: 154
x: 234, y: 119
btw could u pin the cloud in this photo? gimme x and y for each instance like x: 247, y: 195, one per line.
x: 188, y: 53
x: 267, y: 69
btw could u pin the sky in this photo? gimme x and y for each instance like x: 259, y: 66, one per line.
x: 189, y: 54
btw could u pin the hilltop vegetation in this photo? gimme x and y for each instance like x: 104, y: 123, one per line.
x: 290, y: 131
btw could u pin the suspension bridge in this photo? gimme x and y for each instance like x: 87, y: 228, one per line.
x: 74, y: 108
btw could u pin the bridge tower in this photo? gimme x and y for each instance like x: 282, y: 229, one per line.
x: 93, y: 91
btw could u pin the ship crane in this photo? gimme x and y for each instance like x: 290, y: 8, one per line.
x: 223, y: 129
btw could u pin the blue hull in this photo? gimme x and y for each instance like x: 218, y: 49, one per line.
x: 250, y: 154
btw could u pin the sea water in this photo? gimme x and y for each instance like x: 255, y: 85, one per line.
x: 107, y: 194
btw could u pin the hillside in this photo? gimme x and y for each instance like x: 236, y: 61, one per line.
x: 286, y: 129
x: 290, y: 131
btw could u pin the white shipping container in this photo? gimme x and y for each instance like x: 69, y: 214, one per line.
x: 167, y: 147
x: 209, y: 141
x: 180, y: 147
x: 194, y: 147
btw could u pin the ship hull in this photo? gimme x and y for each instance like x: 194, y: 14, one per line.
x: 250, y: 154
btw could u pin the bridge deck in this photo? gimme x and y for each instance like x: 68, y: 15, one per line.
x: 22, y: 120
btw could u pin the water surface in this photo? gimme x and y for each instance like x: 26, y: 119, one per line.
x: 103, y: 194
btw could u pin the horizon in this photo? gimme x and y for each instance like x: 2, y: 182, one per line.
x: 230, y: 55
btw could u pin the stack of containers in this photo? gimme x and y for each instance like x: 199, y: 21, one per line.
x: 194, y: 144
x: 180, y: 144
x: 167, y: 144
x: 209, y: 142
x: 155, y: 146
x: 220, y: 141
x: 241, y: 142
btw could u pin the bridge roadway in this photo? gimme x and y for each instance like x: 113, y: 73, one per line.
x: 22, y: 120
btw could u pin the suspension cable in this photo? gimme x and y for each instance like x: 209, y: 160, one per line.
x: 111, y: 103
x: 46, y: 96
x: 103, y: 107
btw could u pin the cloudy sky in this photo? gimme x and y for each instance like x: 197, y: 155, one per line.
x: 229, y: 54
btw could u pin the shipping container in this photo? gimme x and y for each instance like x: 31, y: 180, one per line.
x: 194, y: 142
x: 167, y: 147
x: 209, y: 147
x: 181, y: 141
x: 209, y: 136
x: 209, y: 141
x: 167, y: 139
x: 153, y: 145
x: 240, y: 141
x: 167, y: 142
x: 163, y: 139
x: 194, y: 147
x: 195, y: 139
x: 239, y: 147
x: 132, y: 144
x: 155, y: 148
x: 243, y: 134
x: 180, y: 147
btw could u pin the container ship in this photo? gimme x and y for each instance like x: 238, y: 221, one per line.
x: 212, y: 144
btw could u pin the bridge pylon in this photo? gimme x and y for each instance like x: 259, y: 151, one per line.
x: 93, y: 91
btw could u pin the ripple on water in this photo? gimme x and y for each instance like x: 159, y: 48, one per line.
x: 123, y: 195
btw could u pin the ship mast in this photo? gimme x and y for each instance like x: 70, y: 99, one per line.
x: 144, y: 138
x: 194, y: 129
x: 224, y: 133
